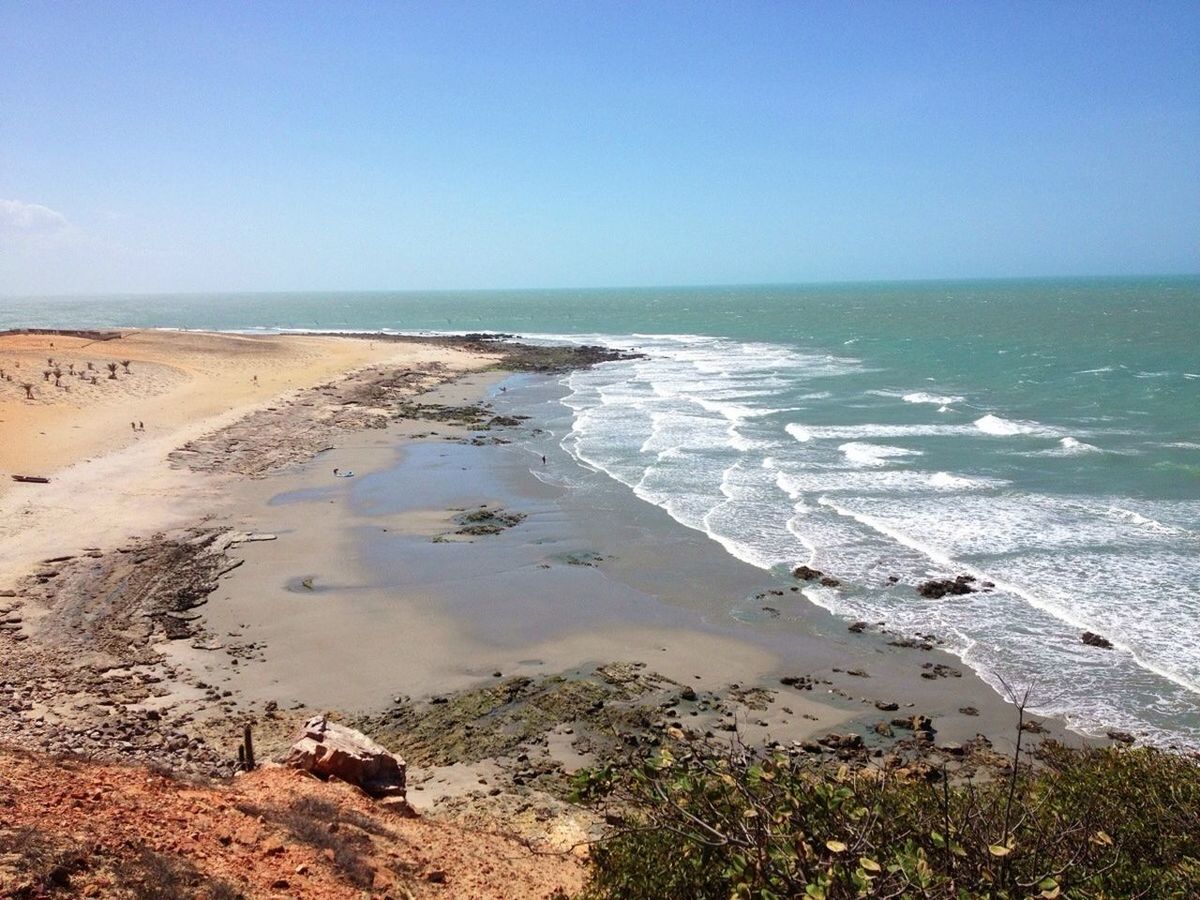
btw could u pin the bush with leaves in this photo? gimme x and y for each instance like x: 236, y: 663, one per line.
x: 1094, y: 823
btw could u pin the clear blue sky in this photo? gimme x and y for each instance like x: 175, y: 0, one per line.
x: 261, y: 146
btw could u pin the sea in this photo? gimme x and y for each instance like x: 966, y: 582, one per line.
x: 1041, y: 435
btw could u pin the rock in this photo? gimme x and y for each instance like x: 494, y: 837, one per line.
x: 330, y: 750
x: 968, y: 710
x: 886, y: 706
x: 857, y: 627
x: 807, y: 574
x: 1122, y: 737
x: 827, y: 581
x: 884, y: 729
x: 937, y: 588
x: 1095, y: 640
x: 921, y: 723
x: 688, y: 693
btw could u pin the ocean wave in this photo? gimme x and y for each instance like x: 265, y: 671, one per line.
x: 861, y: 454
x: 1141, y: 521
x: 946, y: 481
x: 935, y: 399
x: 1001, y: 427
x: 799, y: 432
x: 805, y: 433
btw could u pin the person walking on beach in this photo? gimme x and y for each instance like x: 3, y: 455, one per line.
x: 543, y: 459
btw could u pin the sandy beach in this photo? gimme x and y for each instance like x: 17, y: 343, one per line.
x: 500, y: 619
x: 110, y: 480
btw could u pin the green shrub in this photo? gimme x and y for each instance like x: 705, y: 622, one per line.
x: 1091, y: 823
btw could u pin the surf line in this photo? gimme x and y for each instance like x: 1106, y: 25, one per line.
x: 1032, y: 599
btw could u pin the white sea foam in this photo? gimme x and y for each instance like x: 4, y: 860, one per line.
x: 842, y: 498
x: 871, y: 430
x: 862, y: 454
x: 946, y: 481
x: 992, y: 424
x: 799, y: 432
x: 935, y: 399
x: 1072, y: 447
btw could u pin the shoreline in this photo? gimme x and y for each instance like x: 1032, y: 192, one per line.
x: 587, y: 578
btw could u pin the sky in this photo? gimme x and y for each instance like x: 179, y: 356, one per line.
x: 149, y: 147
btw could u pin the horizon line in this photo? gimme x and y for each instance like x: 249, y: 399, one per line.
x: 618, y: 287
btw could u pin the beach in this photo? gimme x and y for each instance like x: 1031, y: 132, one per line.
x: 453, y: 560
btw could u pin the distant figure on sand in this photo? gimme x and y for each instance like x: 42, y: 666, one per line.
x: 335, y: 471
x: 141, y: 426
x: 133, y: 426
x: 543, y: 459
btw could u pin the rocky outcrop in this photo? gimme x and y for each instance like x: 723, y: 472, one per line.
x: 1095, y: 640
x: 329, y: 750
x: 937, y: 588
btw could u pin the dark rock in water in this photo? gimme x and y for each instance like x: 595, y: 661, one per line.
x: 1122, y: 737
x: 857, y: 627
x: 893, y: 579
x: 911, y: 643
x: 922, y: 724
x: 841, y: 741
x: 807, y: 574
x: 688, y: 694
x: 884, y: 729
x: 886, y: 706
x: 968, y: 710
x: 937, y: 588
x: 771, y: 611
x: 826, y: 581
x: 1095, y: 640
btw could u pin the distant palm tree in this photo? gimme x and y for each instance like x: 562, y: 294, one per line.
x: 112, y: 371
x: 125, y: 363
x: 28, y: 390
x: 91, y: 366
x: 46, y: 373
x: 57, y: 376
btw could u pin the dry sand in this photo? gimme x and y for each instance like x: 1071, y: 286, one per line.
x: 110, y: 481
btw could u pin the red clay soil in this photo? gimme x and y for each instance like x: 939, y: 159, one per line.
x: 100, y: 830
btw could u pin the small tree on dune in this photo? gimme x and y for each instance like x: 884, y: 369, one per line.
x: 112, y: 371
x: 125, y: 363
x: 46, y: 373
x: 57, y: 377
x: 28, y: 390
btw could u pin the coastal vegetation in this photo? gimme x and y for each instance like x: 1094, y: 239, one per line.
x: 695, y: 821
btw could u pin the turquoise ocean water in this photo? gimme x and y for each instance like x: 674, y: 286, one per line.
x: 1041, y: 434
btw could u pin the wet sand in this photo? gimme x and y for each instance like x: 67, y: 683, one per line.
x: 368, y: 593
